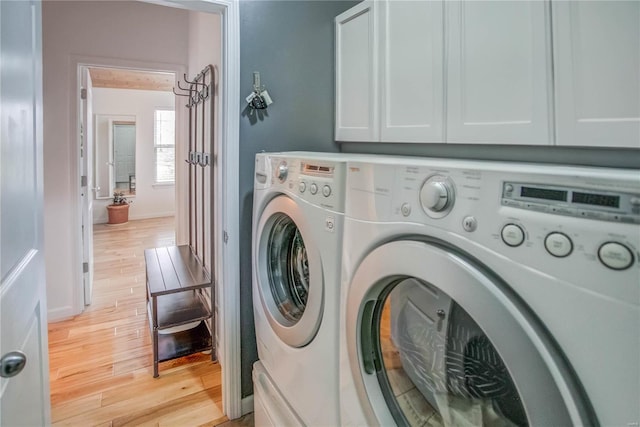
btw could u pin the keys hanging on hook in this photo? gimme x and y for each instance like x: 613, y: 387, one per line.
x: 259, y: 99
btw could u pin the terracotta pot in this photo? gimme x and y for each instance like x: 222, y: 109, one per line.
x: 118, y: 214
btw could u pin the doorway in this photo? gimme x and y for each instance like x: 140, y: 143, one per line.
x: 127, y: 137
x: 226, y: 181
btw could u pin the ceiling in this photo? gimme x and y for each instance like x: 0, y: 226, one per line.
x: 117, y: 78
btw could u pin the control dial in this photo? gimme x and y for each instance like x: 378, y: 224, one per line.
x: 282, y: 171
x: 437, y: 196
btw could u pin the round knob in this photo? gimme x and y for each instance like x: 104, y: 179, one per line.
x: 512, y: 235
x: 434, y: 196
x: 437, y: 196
x: 558, y: 244
x: 282, y: 172
x: 12, y: 364
x: 615, y: 256
x: 302, y: 186
x: 326, y: 191
x: 313, y: 189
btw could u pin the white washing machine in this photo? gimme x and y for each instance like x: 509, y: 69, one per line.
x: 485, y: 293
x: 297, y: 246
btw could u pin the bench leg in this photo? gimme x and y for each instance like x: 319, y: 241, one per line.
x: 155, y: 353
x: 154, y: 318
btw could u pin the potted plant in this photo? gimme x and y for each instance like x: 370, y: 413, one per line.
x: 118, y: 210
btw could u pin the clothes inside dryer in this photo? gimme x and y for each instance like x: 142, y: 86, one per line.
x: 440, y: 368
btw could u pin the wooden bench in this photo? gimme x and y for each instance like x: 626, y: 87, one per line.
x: 176, y: 280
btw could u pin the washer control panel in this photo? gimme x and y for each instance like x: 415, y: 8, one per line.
x: 572, y: 201
x: 318, y: 181
x: 573, y: 223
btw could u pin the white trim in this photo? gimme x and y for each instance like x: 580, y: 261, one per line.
x: 227, y: 185
x: 229, y: 262
x: 61, y: 313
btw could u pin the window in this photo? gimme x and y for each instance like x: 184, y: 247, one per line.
x: 165, y: 145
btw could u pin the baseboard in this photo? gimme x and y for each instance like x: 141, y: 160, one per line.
x: 152, y: 215
x: 61, y: 313
x: 247, y: 405
x: 136, y: 217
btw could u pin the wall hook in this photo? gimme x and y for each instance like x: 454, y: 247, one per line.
x: 195, y: 82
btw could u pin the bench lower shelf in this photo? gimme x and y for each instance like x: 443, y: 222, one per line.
x: 178, y: 344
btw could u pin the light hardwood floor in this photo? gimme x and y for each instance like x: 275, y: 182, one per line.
x: 101, y: 360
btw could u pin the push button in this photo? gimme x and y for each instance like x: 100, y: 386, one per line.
x: 405, y: 209
x: 512, y: 235
x: 558, y: 244
x: 469, y: 223
x: 302, y: 186
x: 615, y: 256
x: 313, y: 189
x: 326, y: 191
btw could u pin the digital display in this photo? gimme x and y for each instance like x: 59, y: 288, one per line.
x: 543, y: 193
x: 596, y: 199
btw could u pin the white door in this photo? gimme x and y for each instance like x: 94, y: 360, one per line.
x: 412, y: 92
x: 357, y: 74
x: 499, y: 72
x: 596, y: 64
x: 24, y: 397
x: 87, y: 189
x: 433, y: 337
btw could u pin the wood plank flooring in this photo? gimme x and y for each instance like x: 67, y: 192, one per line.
x: 101, y: 363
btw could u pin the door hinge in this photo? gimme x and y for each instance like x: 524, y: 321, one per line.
x: 83, y: 93
x: 83, y: 181
x: 226, y: 237
x: 85, y: 267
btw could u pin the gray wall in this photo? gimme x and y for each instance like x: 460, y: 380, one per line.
x: 291, y: 44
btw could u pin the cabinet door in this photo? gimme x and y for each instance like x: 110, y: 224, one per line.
x: 597, y: 73
x: 499, y: 72
x: 357, y: 74
x: 411, y: 51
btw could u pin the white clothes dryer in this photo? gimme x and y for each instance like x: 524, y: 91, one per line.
x: 297, y: 247
x: 486, y: 293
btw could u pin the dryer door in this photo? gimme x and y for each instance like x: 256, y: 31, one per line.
x: 434, y: 338
x: 289, y: 272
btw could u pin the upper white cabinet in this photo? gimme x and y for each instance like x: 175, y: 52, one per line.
x: 498, y: 72
x: 412, y: 89
x: 597, y: 73
x: 357, y: 74
x: 489, y: 72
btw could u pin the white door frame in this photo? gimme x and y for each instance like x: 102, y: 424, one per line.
x: 227, y: 263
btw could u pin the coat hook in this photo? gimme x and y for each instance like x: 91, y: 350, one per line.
x: 195, y: 82
x: 183, y: 88
x: 179, y: 94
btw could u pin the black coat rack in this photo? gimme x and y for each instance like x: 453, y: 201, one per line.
x: 200, y: 92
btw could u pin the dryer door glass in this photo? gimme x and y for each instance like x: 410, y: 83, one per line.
x: 439, y: 367
x: 288, y: 268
